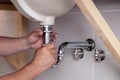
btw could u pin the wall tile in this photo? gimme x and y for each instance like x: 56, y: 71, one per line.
x: 5, y: 68
x: 112, y: 19
x: 107, y: 70
x: 108, y: 5
x: 76, y: 10
x: 102, y: 5
x: 73, y: 28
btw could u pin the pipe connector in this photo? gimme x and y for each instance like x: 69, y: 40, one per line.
x: 47, y: 29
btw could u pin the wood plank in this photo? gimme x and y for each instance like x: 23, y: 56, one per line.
x: 101, y: 27
x: 5, y: 2
x: 7, y: 7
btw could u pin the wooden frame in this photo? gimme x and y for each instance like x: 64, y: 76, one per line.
x: 7, y: 7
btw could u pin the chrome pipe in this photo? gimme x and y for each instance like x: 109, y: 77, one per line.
x: 47, y: 31
x: 88, y: 45
x: 77, y: 44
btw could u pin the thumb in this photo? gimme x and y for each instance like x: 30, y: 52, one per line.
x: 38, y: 33
x: 50, y: 46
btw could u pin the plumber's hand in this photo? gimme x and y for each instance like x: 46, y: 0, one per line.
x: 35, y: 39
x: 45, y: 57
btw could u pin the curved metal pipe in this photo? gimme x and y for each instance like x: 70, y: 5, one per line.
x: 89, y: 45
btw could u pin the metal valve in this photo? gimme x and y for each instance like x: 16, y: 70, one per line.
x: 99, y: 55
x: 78, y: 54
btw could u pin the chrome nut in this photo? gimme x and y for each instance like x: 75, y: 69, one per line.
x: 78, y: 54
x: 99, y: 55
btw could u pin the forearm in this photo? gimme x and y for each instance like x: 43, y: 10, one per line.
x: 10, y: 46
x: 43, y: 59
x: 29, y: 72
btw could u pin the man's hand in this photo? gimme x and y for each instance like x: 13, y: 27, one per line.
x: 35, y: 39
x: 45, y: 57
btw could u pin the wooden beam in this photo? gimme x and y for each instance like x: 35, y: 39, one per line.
x: 101, y: 27
x: 7, y: 7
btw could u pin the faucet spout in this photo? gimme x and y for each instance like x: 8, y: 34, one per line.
x: 88, y: 45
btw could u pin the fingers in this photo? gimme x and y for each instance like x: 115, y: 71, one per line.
x: 54, y: 54
x: 38, y: 32
x: 53, y: 50
x: 53, y: 36
x: 50, y: 46
x: 46, y: 54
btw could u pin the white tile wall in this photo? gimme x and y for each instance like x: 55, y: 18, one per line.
x: 74, y: 27
x: 107, y: 70
x: 5, y: 67
x: 108, y: 5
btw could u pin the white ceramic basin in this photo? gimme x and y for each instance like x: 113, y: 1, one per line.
x: 44, y: 11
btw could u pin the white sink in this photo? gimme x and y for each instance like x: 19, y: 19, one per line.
x: 44, y: 11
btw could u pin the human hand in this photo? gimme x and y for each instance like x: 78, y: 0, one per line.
x: 45, y: 57
x: 35, y: 39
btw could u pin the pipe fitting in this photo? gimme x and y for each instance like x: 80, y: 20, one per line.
x: 78, y: 54
x: 88, y: 45
x: 99, y: 55
x: 47, y: 31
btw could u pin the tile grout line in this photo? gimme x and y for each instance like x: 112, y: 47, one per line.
x: 100, y: 11
x: 93, y: 60
x: 110, y: 10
